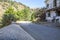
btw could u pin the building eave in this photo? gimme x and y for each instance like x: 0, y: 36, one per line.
x: 46, y: 1
x: 53, y: 9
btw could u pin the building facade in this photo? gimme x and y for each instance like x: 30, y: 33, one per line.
x: 53, y: 10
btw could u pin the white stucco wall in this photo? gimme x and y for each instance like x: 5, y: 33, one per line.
x: 46, y: 14
x: 58, y: 17
x: 50, y: 2
x: 49, y: 19
x: 58, y: 3
x: 53, y: 14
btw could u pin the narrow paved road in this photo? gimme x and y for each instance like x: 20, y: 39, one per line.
x: 14, y: 32
x: 41, y: 32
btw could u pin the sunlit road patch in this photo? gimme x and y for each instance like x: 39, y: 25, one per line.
x: 23, y: 22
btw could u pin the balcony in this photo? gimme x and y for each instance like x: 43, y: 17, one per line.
x: 54, y: 5
x: 50, y: 8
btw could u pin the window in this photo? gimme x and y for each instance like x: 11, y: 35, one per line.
x: 55, y: 3
x: 47, y: 5
x: 48, y: 14
x: 58, y: 13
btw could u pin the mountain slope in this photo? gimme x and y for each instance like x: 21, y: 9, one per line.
x: 4, y: 4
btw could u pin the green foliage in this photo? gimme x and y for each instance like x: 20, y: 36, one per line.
x: 39, y: 14
x: 24, y: 14
x: 5, y: 0
x: 9, y: 16
x: 13, y: 13
x: 32, y: 16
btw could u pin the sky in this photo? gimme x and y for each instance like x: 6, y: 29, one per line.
x: 33, y: 3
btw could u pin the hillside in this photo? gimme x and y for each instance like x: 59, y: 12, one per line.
x: 4, y: 4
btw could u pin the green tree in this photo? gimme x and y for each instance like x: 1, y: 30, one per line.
x: 24, y: 14
x: 32, y: 17
x: 39, y: 14
x: 9, y: 16
x: 27, y: 14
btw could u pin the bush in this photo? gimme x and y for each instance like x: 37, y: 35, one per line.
x: 39, y: 15
x: 12, y: 15
x: 9, y: 16
x: 24, y: 15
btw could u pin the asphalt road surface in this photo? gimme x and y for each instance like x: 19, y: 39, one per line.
x: 41, y: 32
x: 29, y: 31
x: 14, y: 32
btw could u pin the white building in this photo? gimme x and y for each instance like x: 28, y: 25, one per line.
x: 53, y: 10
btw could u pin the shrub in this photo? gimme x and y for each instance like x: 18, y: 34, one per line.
x: 9, y: 16
x: 24, y: 15
x: 12, y: 15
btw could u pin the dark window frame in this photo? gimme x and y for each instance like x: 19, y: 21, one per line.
x: 47, y: 5
x: 49, y: 14
x: 55, y: 3
x: 58, y: 13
